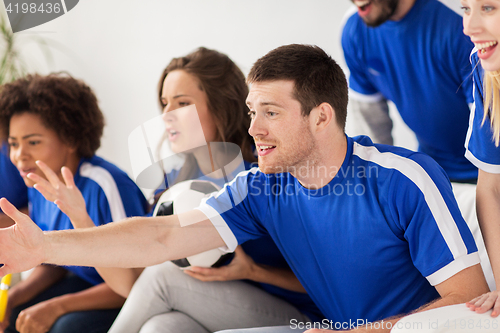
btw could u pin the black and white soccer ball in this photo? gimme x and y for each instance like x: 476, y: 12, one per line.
x: 183, y: 197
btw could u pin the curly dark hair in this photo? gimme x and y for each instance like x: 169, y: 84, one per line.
x: 66, y: 105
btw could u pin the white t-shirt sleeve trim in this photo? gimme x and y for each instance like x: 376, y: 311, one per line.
x: 490, y: 168
x: 221, y: 226
x: 453, y: 268
x: 365, y: 98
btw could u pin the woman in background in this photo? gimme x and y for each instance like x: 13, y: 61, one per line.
x: 12, y: 186
x: 482, y: 25
x: 164, y: 298
x: 55, y: 120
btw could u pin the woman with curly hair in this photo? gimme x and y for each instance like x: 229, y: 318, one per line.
x: 55, y: 122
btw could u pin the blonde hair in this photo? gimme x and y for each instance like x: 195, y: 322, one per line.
x: 492, y: 102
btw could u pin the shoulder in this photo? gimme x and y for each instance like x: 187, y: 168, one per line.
x: 96, y: 175
x: 417, y: 167
x: 103, y: 172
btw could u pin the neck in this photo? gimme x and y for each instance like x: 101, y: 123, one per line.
x: 215, y: 156
x: 322, y: 168
x: 404, y: 6
x: 72, y: 164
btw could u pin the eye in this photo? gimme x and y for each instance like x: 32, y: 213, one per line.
x: 251, y: 114
x: 182, y: 104
x: 271, y: 113
x: 33, y: 142
x: 465, y: 9
x: 488, y: 9
x: 13, y: 144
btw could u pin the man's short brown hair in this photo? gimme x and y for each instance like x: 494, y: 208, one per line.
x: 317, y: 77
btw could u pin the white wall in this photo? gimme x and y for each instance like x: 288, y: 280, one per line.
x: 120, y: 47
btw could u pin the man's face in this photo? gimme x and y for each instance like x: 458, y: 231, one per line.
x: 283, y: 137
x: 375, y: 12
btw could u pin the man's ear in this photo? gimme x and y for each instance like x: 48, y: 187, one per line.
x: 322, y: 116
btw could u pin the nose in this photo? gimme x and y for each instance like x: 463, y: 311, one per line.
x: 257, y: 127
x: 168, y: 116
x: 17, y: 153
x: 472, y: 24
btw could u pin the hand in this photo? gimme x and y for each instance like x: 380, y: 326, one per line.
x: 22, y: 244
x: 239, y: 268
x: 38, y: 318
x: 66, y: 196
x: 486, y: 302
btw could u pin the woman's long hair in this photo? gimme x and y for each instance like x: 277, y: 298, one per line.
x: 492, y: 102
x: 226, y: 90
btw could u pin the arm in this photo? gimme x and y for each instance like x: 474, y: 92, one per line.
x: 467, y: 283
x: 488, y: 214
x: 376, y: 116
x: 243, y: 267
x: 40, y: 317
x: 70, y: 201
x: 134, y: 242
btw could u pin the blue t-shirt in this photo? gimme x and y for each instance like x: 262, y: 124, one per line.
x: 12, y: 185
x: 110, y: 195
x: 421, y: 63
x: 262, y: 250
x: 369, y: 245
x: 480, y: 144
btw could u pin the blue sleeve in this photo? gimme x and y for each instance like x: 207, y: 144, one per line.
x: 480, y: 144
x: 438, y: 237
x: 113, y: 205
x: 12, y: 184
x: 354, y: 57
x: 239, y: 209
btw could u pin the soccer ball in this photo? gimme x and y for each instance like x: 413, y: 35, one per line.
x: 183, y: 197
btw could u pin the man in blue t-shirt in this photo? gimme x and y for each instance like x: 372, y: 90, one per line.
x: 371, y: 231
x: 413, y: 53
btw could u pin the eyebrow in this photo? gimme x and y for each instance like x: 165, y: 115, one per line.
x: 26, y: 136
x: 177, y: 96
x: 266, y: 104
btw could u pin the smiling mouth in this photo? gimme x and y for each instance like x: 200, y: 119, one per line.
x: 264, y: 148
x: 362, y: 4
x: 485, y: 47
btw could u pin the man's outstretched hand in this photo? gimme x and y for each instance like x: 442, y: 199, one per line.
x: 21, y: 245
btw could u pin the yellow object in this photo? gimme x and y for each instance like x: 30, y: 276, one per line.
x: 4, y: 294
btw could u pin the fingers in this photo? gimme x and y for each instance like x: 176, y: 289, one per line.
x: 472, y: 303
x: 68, y: 177
x: 11, y: 211
x: 485, y: 303
x: 49, y: 173
x: 206, y: 274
